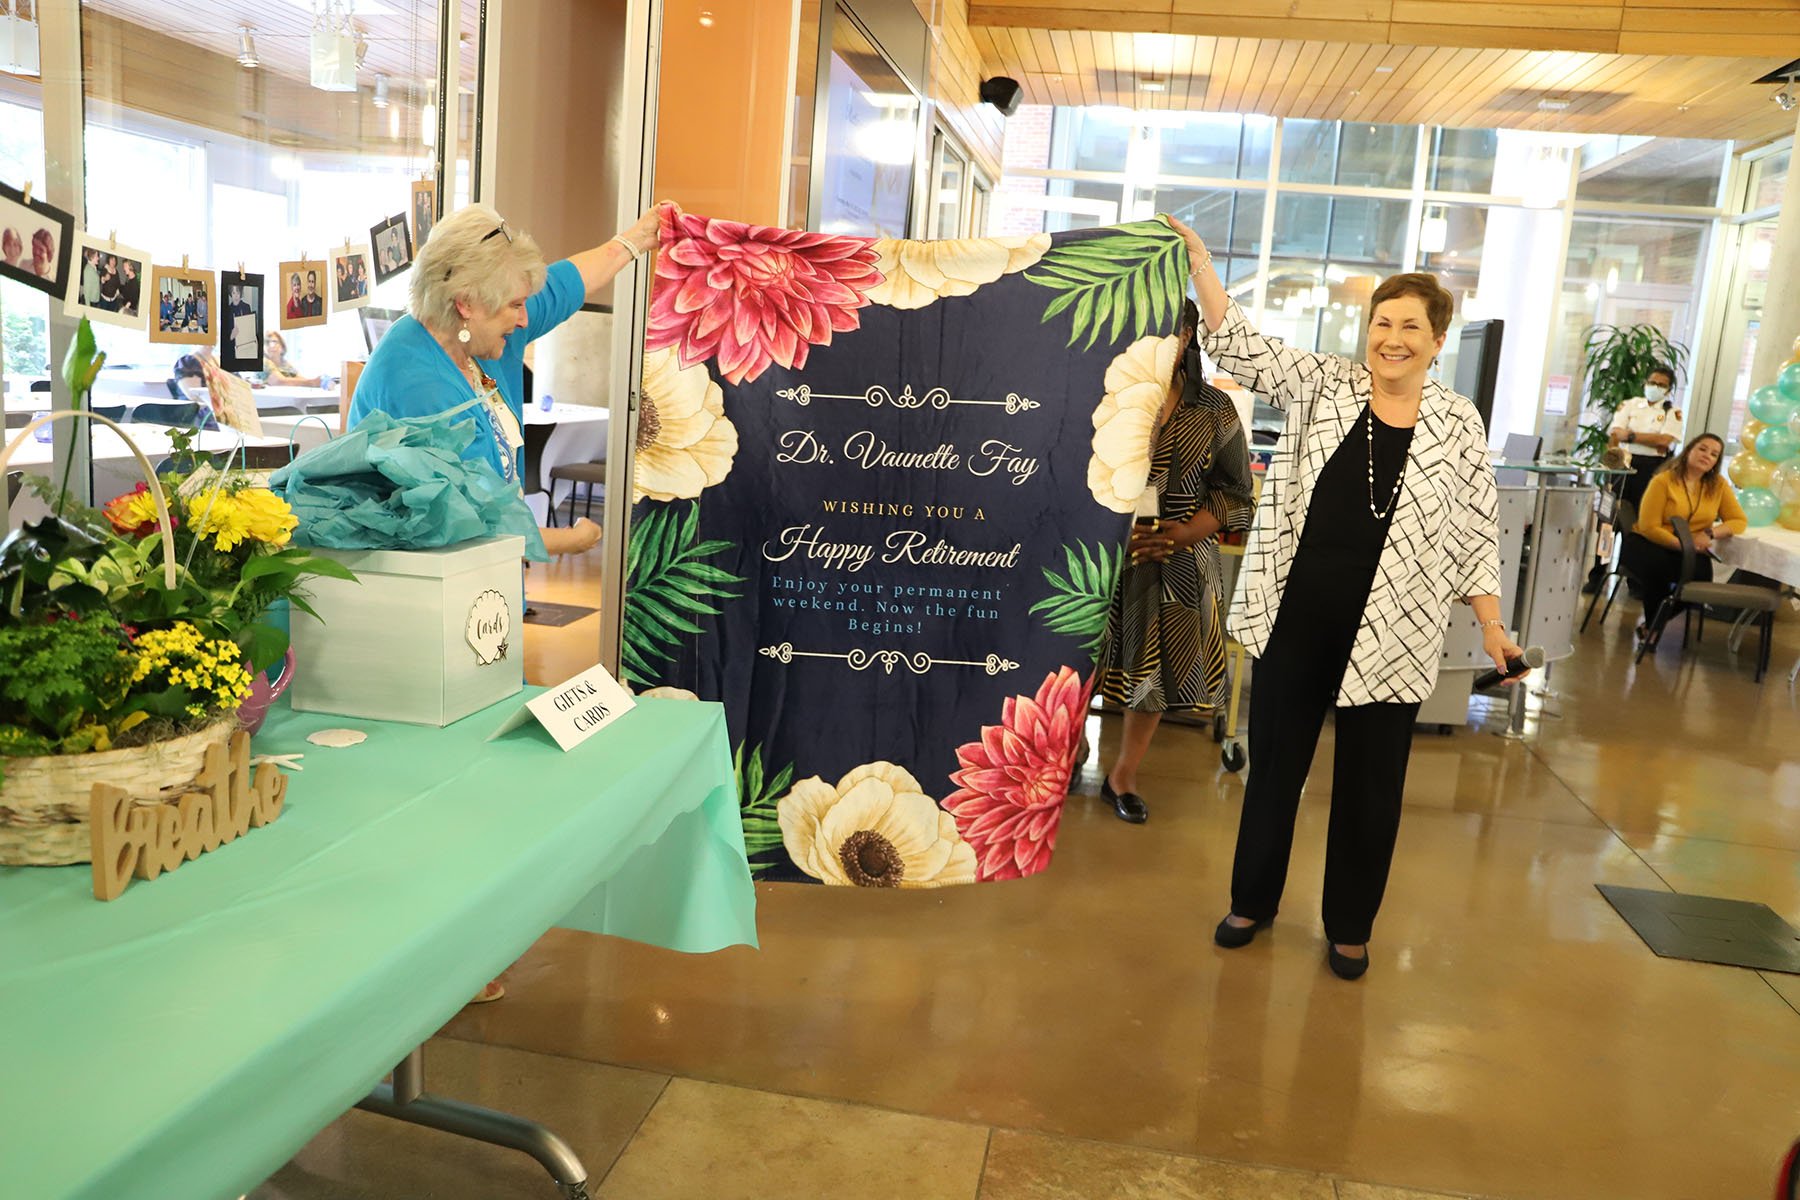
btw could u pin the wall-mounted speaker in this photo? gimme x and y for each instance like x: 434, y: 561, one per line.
x: 1003, y: 93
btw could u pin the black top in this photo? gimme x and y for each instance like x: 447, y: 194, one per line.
x: 1341, y: 533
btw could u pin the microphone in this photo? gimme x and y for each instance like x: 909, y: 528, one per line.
x: 1531, y: 660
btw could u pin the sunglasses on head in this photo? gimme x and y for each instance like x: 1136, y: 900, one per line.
x: 502, y: 229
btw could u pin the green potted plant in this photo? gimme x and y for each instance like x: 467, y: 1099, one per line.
x: 1615, y: 362
x: 132, y: 635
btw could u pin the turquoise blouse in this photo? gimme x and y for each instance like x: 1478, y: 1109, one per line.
x: 410, y: 375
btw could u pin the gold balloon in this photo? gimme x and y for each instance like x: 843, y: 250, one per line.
x: 1747, y: 435
x: 1790, y: 516
x: 1751, y: 471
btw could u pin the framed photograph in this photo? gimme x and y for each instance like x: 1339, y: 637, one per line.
x: 375, y: 324
x: 186, y: 306
x: 107, y: 282
x: 351, y: 277
x: 424, y: 210
x: 393, y: 247
x: 241, y: 323
x: 34, y: 242
x: 301, y: 287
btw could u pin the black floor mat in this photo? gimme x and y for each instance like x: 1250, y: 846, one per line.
x: 1735, y: 933
x: 542, y: 613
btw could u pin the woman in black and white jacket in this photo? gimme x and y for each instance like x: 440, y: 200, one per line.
x: 1379, y: 510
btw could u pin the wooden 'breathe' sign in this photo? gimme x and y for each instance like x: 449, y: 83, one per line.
x: 146, y: 840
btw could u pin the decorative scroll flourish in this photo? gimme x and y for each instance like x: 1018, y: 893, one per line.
x: 876, y: 396
x: 861, y: 659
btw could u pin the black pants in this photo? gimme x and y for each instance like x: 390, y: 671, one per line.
x: 1294, y: 685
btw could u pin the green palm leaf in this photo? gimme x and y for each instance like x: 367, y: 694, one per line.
x: 1130, y: 276
x: 1079, y: 600
x: 758, y: 798
x: 668, y: 587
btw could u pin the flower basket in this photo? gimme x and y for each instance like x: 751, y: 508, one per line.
x: 44, y: 801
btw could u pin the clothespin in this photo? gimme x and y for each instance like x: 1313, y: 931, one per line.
x: 112, y: 239
x: 240, y: 269
x: 184, y: 262
x: 26, y: 192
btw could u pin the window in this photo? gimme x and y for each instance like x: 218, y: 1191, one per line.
x: 871, y: 140
x: 1347, y: 153
x: 1214, y: 145
x: 1768, y: 180
x: 1638, y: 170
x: 173, y: 167
x: 1462, y: 160
x: 949, y: 170
x: 1089, y: 139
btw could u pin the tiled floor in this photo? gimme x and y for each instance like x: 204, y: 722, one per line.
x: 1077, y: 1035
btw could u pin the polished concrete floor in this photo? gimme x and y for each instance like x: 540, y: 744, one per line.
x: 1077, y: 1034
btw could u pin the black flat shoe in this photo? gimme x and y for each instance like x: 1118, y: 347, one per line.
x: 1129, y: 805
x: 1345, y: 967
x: 1233, y: 937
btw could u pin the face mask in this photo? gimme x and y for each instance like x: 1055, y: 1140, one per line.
x: 1655, y: 393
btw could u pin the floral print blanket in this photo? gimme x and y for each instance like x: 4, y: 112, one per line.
x: 882, y: 489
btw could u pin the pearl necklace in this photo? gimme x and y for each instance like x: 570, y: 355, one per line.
x: 1381, y: 514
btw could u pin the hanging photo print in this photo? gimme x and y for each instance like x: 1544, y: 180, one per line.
x: 241, y: 329
x: 34, y: 242
x: 186, y: 306
x: 393, y: 248
x: 106, y: 282
x: 350, y: 276
x: 424, y: 209
x: 302, y: 293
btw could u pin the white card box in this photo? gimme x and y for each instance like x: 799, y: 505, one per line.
x: 406, y: 642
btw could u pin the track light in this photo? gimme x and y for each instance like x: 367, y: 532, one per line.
x: 247, y: 48
x: 381, y: 92
x: 1784, y: 98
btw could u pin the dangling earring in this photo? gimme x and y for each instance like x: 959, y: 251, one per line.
x: 462, y: 335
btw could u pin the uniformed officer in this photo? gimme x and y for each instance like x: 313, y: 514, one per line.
x: 1649, y: 429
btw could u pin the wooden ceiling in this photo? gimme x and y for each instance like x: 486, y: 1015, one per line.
x: 1609, y: 66
x: 402, y: 34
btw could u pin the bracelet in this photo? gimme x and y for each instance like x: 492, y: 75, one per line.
x: 1497, y: 623
x: 1204, y: 264
x: 626, y: 246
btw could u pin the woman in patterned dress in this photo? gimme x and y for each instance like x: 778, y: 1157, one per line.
x: 1165, y: 636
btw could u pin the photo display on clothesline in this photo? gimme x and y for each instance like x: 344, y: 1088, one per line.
x: 186, y: 306
x: 34, y: 242
x: 106, y: 282
x: 351, y: 277
x: 424, y: 210
x: 241, y: 328
x: 393, y: 247
x: 302, y: 293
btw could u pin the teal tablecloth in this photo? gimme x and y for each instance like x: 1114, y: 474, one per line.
x: 186, y: 1039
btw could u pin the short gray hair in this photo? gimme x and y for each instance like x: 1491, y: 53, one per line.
x: 463, y: 260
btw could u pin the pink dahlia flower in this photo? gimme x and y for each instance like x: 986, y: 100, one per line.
x: 749, y: 296
x: 1013, y: 781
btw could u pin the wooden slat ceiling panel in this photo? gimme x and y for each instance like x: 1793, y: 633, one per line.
x: 1463, y: 85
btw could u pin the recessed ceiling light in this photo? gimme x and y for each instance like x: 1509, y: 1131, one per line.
x: 706, y: 19
x: 1153, y: 85
x: 1384, y: 69
x: 1552, y: 104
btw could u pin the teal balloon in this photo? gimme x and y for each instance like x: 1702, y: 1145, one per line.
x: 1776, y: 444
x: 1770, y: 406
x: 1760, y: 505
x: 1788, y: 382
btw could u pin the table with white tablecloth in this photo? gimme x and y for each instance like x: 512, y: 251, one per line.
x: 1772, y: 551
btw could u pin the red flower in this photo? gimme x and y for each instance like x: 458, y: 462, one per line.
x: 750, y: 296
x: 1013, y: 781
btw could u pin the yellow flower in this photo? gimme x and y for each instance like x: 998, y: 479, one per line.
x: 212, y: 670
x: 267, y: 516
x: 915, y: 274
x: 1137, y: 383
x: 685, y: 443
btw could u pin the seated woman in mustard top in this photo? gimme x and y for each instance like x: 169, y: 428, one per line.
x: 1691, y: 486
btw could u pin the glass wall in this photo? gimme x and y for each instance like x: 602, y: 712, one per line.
x: 212, y: 145
x: 1303, y: 234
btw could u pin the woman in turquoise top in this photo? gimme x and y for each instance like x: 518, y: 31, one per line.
x: 480, y: 292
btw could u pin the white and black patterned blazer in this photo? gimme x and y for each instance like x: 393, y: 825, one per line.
x: 1443, y: 543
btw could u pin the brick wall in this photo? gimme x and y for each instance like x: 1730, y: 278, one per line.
x: 1027, y: 145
